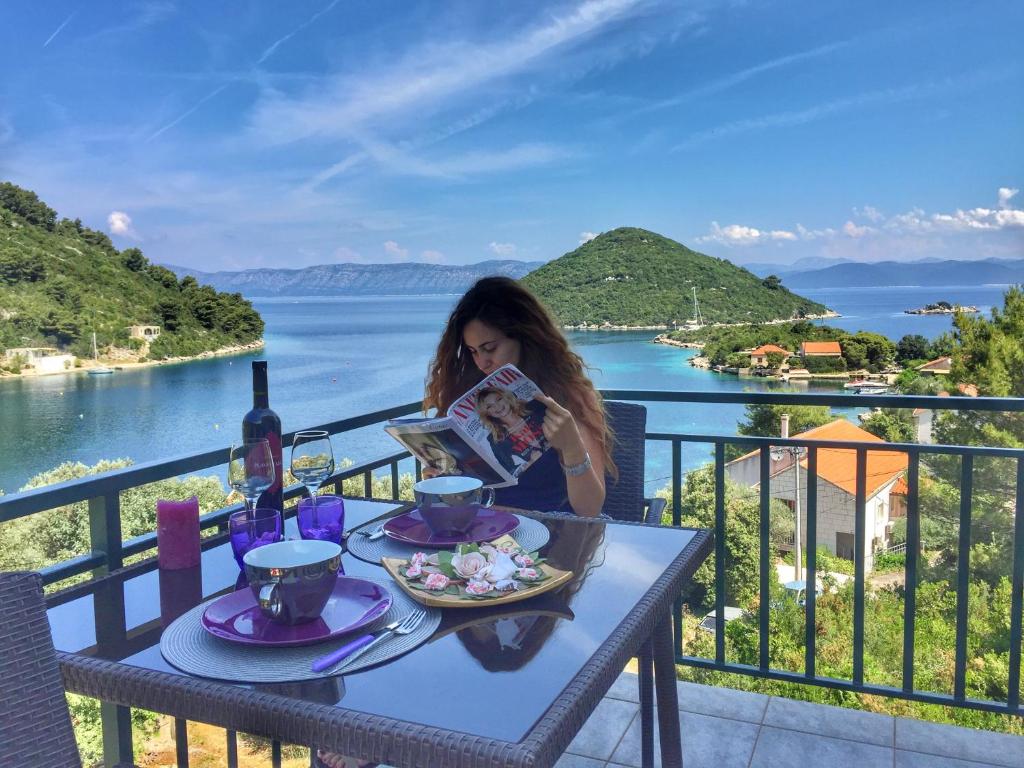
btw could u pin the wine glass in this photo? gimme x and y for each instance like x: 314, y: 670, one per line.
x: 251, y: 469
x: 312, y: 460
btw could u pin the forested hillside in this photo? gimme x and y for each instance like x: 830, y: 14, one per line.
x: 60, y: 282
x: 634, y: 277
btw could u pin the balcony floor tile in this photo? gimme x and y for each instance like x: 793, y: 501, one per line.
x: 962, y: 743
x: 779, y: 746
x: 868, y: 727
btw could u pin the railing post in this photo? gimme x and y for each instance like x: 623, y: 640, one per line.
x: 105, y: 530
x: 720, y: 553
x: 116, y: 721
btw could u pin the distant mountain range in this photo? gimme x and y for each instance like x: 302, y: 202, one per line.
x: 358, y: 279
x: 928, y: 272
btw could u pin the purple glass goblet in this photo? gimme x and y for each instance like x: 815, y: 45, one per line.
x: 249, y: 530
x: 325, y: 521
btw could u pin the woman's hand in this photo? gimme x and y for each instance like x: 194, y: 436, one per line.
x: 561, y: 431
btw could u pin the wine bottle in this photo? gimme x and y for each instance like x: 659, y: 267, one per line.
x: 263, y: 422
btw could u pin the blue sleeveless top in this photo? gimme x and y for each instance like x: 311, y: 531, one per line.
x: 542, y: 487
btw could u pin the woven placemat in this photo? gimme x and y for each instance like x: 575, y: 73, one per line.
x: 190, y: 648
x: 530, y: 534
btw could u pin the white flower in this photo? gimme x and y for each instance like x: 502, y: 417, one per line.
x: 418, y: 559
x: 413, y: 571
x: 436, y: 581
x: 468, y: 566
x: 501, y: 567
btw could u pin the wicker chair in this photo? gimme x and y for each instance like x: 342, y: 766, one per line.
x: 624, y: 500
x: 35, y: 724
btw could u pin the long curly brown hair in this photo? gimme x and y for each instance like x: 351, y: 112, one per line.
x: 545, y: 356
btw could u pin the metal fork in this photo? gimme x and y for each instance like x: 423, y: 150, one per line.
x: 355, y: 649
x: 372, y: 534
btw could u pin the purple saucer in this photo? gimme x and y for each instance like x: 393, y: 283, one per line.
x: 488, y: 524
x: 353, y: 604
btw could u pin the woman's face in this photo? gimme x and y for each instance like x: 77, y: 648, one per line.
x: 489, y: 347
x: 495, y: 406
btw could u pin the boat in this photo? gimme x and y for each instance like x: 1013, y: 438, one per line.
x: 99, y: 370
x: 865, y: 387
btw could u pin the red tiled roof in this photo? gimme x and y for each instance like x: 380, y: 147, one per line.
x: 820, y: 348
x: 901, y: 488
x: 764, y: 349
x: 938, y: 364
x: 839, y: 465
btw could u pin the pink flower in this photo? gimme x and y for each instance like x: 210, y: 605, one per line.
x: 527, y: 573
x: 436, y: 581
x: 479, y: 587
x: 413, y: 571
x: 418, y: 559
x: 523, y: 560
x: 469, y: 565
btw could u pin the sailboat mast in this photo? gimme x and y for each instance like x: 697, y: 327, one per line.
x: 696, y: 310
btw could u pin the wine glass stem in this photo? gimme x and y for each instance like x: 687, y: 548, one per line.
x: 312, y: 496
x: 250, y: 508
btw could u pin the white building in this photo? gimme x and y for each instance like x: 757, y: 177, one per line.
x: 837, y: 488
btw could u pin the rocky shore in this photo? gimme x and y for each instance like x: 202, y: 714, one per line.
x: 125, y: 361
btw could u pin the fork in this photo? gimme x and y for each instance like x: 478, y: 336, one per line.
x: 372, y: 535
x: 359, y: 646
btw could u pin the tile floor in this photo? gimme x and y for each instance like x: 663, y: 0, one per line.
x: 723, y: 728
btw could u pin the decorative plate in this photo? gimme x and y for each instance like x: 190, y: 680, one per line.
x: 475, y: 575
x: 353, y: 604
x: 487, y: 525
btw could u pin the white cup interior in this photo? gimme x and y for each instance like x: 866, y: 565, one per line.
x: 448, y: 484
x: 291, y: 554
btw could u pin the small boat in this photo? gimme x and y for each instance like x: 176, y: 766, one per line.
x: 101, y: 370
x: 865, y: 387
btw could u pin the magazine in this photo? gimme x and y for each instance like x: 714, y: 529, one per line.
x: 494, y: 432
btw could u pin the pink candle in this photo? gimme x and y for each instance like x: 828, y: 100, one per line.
x: 177, y: 533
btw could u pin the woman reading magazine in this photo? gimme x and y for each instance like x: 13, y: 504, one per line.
x: 498, y: 322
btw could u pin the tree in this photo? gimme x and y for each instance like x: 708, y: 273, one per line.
x: 27, y: 205
x: 772, y: 282
x: 765, y: 421
x: 775, y: 359
x: 134, y: 260
x: 913, y: 346
x: 894, y: 425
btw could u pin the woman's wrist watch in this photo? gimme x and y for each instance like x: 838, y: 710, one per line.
x: 575, y: 470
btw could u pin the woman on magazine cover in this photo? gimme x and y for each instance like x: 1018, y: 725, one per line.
x: 515, y: 428
x: 498, y: 322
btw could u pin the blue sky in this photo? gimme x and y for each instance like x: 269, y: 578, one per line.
x: 244, y: 134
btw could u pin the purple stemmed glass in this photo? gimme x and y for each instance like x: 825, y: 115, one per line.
x: 250, y: 530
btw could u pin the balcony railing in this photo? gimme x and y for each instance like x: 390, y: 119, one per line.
x: 108, y: 551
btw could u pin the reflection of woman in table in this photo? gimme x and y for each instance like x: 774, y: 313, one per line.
x: 515, y: 428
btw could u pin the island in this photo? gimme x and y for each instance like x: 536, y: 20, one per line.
x: 940, y: 308
x: 70, y: 300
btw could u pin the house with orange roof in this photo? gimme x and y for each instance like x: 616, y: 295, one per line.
x: 837, y: 488
x: 820, y: 349
x: 759, y: 356
x: 940, y: 366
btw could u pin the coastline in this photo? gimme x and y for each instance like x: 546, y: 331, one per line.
x: 118, y: 365
x: 607, y: 326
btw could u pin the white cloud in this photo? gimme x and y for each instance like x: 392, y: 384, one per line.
x: 1005, y: 193
x: 120, y: 223
x: 851, y: 229
x: 505, y: 250
x: 914, y: 223
x: 394, y: 249
x: 869, y: 212
x: 432, y: 257
x: 586, y: 237
x: 738, y: 234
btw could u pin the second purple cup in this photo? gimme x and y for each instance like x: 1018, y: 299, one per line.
x: 249, y: 530
x: 325, y: 522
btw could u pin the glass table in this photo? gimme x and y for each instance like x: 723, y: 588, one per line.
x: 508, y: 685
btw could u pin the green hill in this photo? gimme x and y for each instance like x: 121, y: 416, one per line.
x: 60, y: 282
x: 633, y: 277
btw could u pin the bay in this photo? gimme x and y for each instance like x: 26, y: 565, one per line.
x: 330, y: 358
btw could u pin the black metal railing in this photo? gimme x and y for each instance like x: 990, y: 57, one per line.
x: 108, y: 551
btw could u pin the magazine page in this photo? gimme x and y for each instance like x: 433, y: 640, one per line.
x: 502, y: 418
x: 440, y: 447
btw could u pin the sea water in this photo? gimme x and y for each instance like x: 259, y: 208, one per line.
x: 331, y: 358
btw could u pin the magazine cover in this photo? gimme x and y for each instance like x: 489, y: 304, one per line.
x: 494, y: 432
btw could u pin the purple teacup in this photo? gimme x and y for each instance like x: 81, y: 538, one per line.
x: 323, y: 521
x: 448, y: 504
x: 292, y: 580
x: 251, y: 530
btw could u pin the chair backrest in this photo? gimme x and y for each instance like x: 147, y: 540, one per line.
x: 624, y: 500
x: 35, y: 724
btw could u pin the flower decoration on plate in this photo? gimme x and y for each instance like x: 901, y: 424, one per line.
x: 475, y: 571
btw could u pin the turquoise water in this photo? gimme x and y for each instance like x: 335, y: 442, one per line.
x: 336, y: 357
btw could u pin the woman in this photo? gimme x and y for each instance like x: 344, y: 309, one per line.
x: 499, y: 322
x: 514, y: 427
